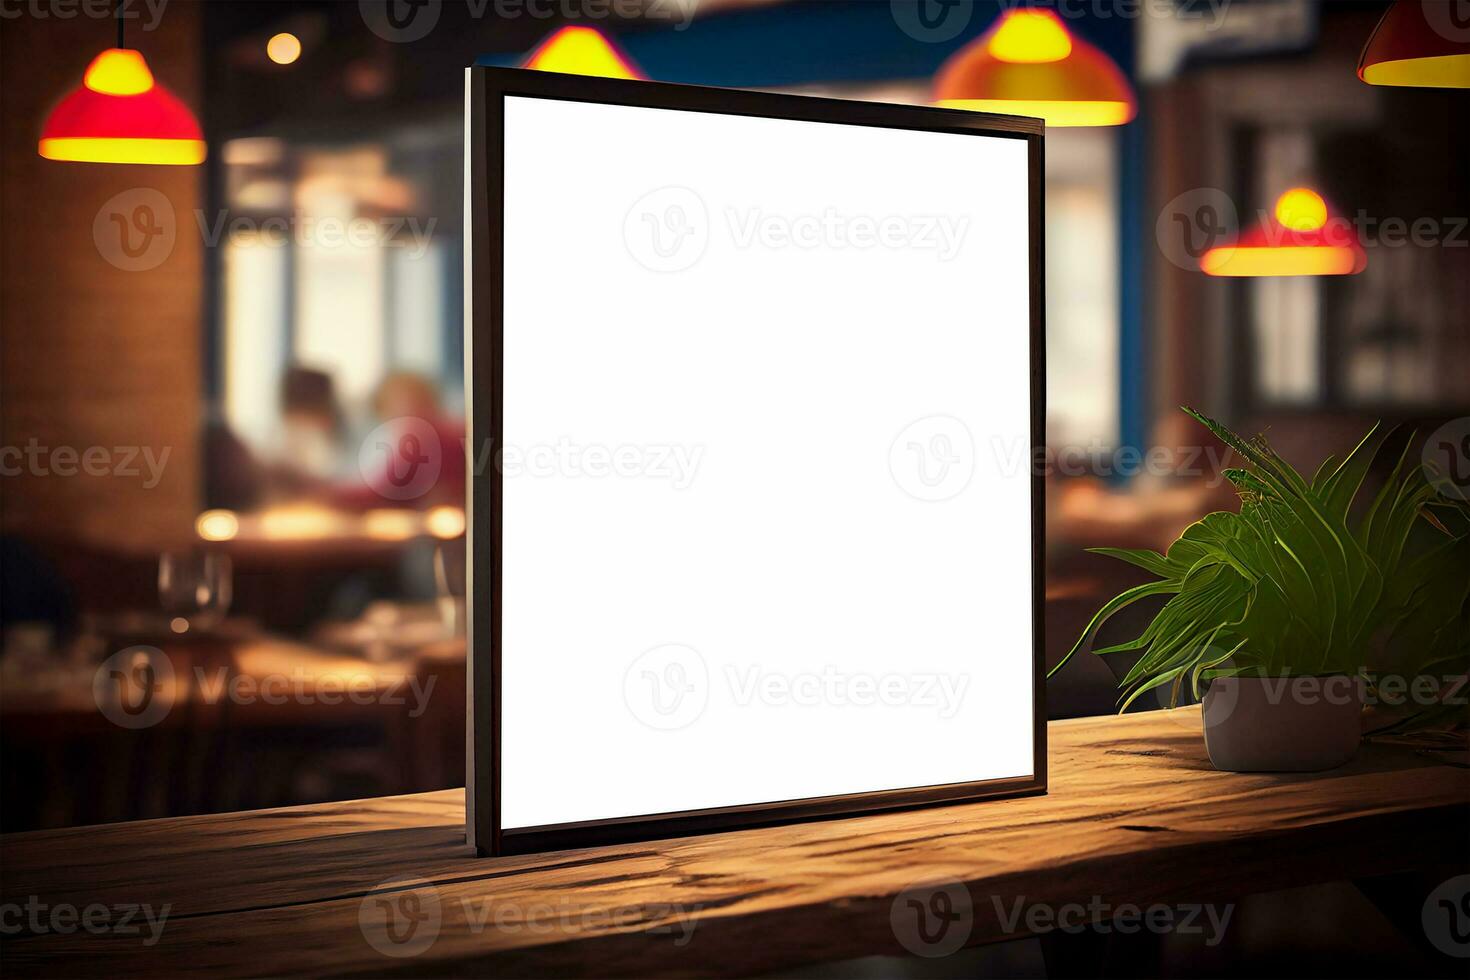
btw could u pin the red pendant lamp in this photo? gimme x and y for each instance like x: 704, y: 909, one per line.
x: 1301, y: 237
x: 119, y: 114
x: 582, y: 51
x: 1418, y: 43
x: 1029, y: 64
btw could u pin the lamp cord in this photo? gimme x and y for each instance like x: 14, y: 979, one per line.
x: 117, y: 9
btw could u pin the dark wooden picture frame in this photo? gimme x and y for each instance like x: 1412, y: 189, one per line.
x: 486, y: 89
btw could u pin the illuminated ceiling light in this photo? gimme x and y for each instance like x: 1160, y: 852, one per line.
x: 1301, y: 237
x: 1301, y: 209
x: 118, y: 71
x: 1028, y: 64
x: 1419, y: 44
x: 1030, y: 37
x: 283, y: 48
x: 119, y: 114
x: 582, y: 51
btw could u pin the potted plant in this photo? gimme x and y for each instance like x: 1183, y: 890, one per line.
x: 1299, y: 606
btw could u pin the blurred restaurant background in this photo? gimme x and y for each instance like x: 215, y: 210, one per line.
x: 199, y: 365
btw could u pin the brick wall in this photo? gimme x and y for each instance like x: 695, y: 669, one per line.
x: 94, y: 357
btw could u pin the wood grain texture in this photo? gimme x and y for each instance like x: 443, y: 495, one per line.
x: 1135, y: 814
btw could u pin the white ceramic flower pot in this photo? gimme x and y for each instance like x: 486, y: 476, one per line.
x: 1283, y: 724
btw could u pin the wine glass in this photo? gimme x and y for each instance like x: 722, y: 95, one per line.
x: 194, y: 589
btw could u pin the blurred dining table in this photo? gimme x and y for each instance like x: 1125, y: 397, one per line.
x: 235, y: 716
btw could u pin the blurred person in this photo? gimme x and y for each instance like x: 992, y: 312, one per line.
x: 415, y: 457
x: 233, y: 477
x: 310, y: 451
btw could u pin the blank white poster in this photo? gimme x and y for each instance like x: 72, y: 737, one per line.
x: 767, y: 500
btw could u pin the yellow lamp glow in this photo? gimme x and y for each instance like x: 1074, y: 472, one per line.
x: 1029, y: 37
x: 118, y: 71
x: 1301, y: 209
x: 1056, y: 112
x: 283, y: 48
x: 1280, y: 260
x: 1420, y: 44
x: 1446, y: 71
x: 113, y: 149
x: 119, y: 114
x: 1027, y: 64
x: 582, y: 51
x: 1299, y: 238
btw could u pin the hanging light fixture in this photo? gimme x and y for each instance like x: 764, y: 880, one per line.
x: 1029, y: 64
x: 119, y: 114
x: 582, y: 51
x: 1418, y: 43
x: 1301, y: 237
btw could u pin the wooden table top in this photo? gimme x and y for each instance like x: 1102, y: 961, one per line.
x: 1135, y: 814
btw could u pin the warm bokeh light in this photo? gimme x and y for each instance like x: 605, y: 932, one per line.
x: 1055, y: 113
x: 300, y: 522
x: 582, y: 51
x: 1030, y: 37
x: 118, y: 71
x: 119, y: 114
x: 445, y: 522
x: 316, y: 522
x: 389, y: 524
x: 283, y: 48
x: 1281, y: 260
x: 1301, y: 209
x: 179, y: 624
x: 217, y: 525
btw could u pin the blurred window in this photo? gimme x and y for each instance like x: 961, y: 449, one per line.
x: 255, y: 315
x: 335, y: 259
x: 1082, y: 313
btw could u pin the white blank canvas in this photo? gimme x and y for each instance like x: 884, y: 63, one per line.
x: 766, y: 496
